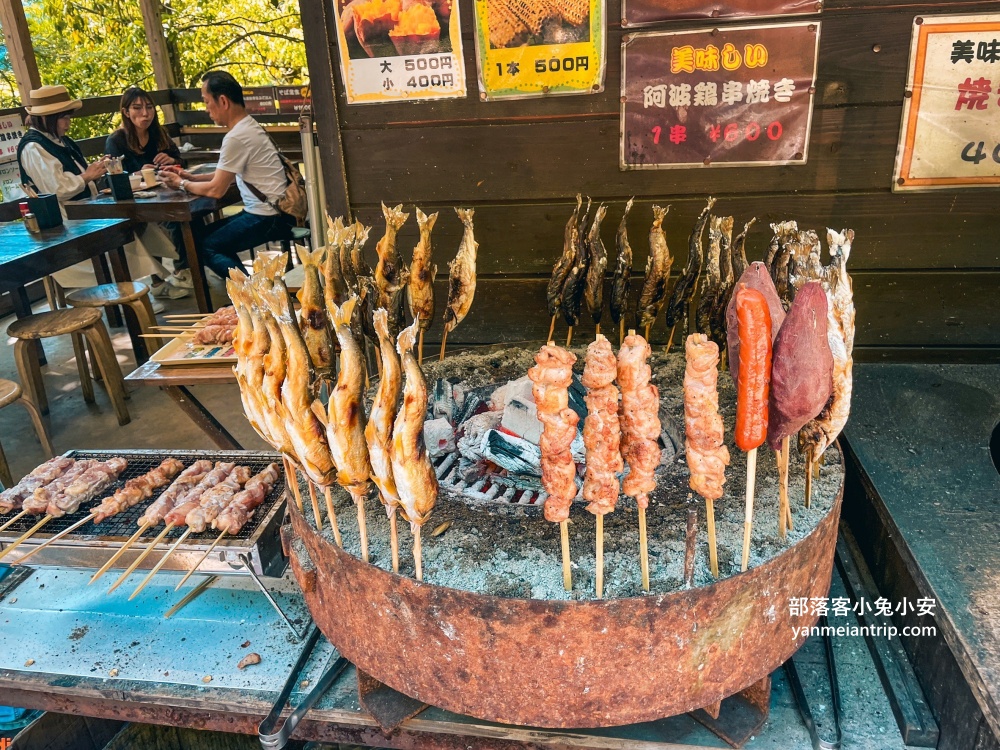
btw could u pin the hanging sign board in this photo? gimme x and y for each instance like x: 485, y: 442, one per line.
x: 949, y: 136
x: 725, y: 97
x: 259, y: 100
x: 640, y: 12
x: 526, y: 48
x: 392, y: 53
x: 292, y: 100
x: 11, y: 131
x: 10, y: 182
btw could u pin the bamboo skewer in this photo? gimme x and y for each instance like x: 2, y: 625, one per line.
x: 600, y: 556
x: 159, y: 564
x: 418, y: 557
x: 165, y: 335
x: 13, y: 518
x: 114, y: 558
x: 713, y: 550
x: 597, y: 332
x: 646, y: 332
x: 25, y: 536
x: 200, y: 561
x: 145, y: 553
x: 56, y: 538
x: 420, y: 347
x: 567, y: 571
x: 552, y: 328
x: 315, y: 505
x: 691, y: 546
x: 621, y: 331
x: 332, y: 516
x: 748, y: 519
x: 394, y: 540
x: 643, y: 549
x: 362, y: 526
x: 444, y: 343
x: 189, y: 596
x: 670, y: 340
x: 292, y: 480
x: 569, y: 337
x: 782, y: 460
x: 809, y: 476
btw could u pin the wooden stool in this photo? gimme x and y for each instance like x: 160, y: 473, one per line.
x: 10, y: 392
x: 75, y: 320
x: 132, y: 294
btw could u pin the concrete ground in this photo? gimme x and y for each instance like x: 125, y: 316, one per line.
x: 156, y: 421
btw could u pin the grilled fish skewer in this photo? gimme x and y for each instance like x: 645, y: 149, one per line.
x: 420, y: 290
x: 622, y: 278
x: 654, y: 287
x: 461, y: 277
x: 553, y: 294
x: 593, y: 289
x: 312, y: 313
x: 684, y: 289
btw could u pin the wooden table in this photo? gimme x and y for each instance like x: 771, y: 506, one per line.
x: 175, y: 382
x: 26, y: 257
x: 166, y: 205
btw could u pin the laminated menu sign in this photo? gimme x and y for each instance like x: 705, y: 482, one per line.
x: 400, y: 50
x: 728, y: 96
x: 529, y: 48
x: 11, y: 131
x: 292, y: 100
x: 949, y: 137
x: 639, y: 12
x: 259, y: 100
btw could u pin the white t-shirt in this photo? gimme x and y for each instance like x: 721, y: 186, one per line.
x: 248, y: 153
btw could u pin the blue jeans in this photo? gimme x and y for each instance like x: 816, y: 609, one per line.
x: 221, y: 241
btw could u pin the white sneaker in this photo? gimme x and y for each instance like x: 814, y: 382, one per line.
x: 182, y: 279
x: 168, y: 291
x: 158, y: 306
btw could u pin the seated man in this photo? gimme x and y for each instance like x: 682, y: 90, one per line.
x: 250, y: 157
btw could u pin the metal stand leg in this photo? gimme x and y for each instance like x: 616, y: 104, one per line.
x: 243, y: 558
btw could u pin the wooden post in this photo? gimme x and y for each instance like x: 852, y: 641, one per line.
x: 163, y: 74
x: 19, y: 49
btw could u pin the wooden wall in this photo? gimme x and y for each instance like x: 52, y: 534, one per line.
x: 926, y: 267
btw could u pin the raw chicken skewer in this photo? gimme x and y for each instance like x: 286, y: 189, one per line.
x: 551, y: 377
x: 707, y: 456
x: 13, y: 498
x: 602, y: 438
x: 461, y: 277
x: 412, y: 471
x: 640, y: 423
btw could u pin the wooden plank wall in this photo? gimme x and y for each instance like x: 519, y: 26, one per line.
x: 925, y: 266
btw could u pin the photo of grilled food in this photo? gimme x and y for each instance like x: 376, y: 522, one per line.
x: 386, y: 28
x: 519, y: 23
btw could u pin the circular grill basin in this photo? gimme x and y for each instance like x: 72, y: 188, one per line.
x: 562, y: 664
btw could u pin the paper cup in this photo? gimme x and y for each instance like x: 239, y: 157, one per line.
x: 149, y: 177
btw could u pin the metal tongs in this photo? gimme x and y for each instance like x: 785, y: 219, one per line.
x: 802, y: 701
x: 271, y: 740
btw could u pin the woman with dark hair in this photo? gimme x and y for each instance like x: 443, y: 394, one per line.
x: 51, y: 162
x: 142, y: 141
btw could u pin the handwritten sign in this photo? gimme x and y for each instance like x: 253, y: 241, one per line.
x: 949, y: 137
x: 640, y: 12
x: 259, y: 100
x: 389, y: 53
x: 733, y: 96
x: 529, y: 49
x: 292, y: 100
x: 10, y: 182
x: 11, y: 131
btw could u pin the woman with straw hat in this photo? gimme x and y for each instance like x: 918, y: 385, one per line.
x: 51, y: 162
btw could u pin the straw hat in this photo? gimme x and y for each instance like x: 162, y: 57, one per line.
x: 50, y: 100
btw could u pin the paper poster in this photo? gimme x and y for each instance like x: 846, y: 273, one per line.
x: 640, y: 12
x: 10, y: 182
x: 527, y: 48
x: 731, y: 96
x: 400, y: 50
x: 11, y: 130
x: 293, y: 100
x: 259, y: 100
x: 949, y: 136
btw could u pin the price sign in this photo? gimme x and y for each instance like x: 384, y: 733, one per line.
x: 389, y: 53
x: 259, y: 100
x: 949, y: 138
x: 292, y: 100
x: 733, y: 96
x: 10, y: 182
x: 530, y: 49
x: 639, y: 12
x: 11, y: 131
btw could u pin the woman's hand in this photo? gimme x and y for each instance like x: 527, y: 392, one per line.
x: 95, y: 171
x: 163, y: 160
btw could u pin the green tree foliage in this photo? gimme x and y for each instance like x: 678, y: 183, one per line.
x: 98, y: 47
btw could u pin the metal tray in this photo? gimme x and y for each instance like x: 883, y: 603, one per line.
x: 92, y: 545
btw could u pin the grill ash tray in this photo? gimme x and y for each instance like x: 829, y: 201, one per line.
x: 92, y: 545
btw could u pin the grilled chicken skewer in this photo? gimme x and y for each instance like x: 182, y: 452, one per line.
x: 622, y: 278
x: 553, y: 294
x: 413, y: 473
x: 593, y: 289
x: 378, y: 433
x: 423, y: 272
x: 684, y: 289
x: 461, y: 277
x: 346, y: 419
x: 654, y: 286
x: 13, y: 497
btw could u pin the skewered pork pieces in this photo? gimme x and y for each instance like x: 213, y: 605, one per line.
x: 13, y: 497
x: 185, y: 502
x: 214, y: 335
x: 802, y: 365
x: 223, y: 477
x: 88, y: 485
x: 215, y: 500
x: 602, y: 430
x: 553, y: 294
x: 137, y: 489
x: 757, y: 278
x: 640, y: 419
x: 654, y: 286
x: 707, y: 456
x: 42, y: 496
x: 462, y: 274
x: 190, y: 478
x: 390, y: 273
x: 416, y: 482
x: 420, y: 290
x: 378, y: 433
x: 551, y: 377
x: 622, y: 278
x: 593, y: 288
x: 684, y: 289
x: 235, y: 515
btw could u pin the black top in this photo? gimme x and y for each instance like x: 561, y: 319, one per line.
x: 131, y: 161
x: 69, y: 155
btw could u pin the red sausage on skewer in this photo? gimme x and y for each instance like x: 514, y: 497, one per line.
x: 754, y: 375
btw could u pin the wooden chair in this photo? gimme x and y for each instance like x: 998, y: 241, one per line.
x: 10, y: 392
x: 132, y: 294
x: 75, y: 320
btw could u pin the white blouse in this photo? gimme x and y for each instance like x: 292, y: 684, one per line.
x: 47, y: 172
